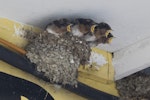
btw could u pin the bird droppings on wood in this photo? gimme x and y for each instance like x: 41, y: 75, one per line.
x: 57, y: 57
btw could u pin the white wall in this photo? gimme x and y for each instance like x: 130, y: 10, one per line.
x: 128, y: 18
x: 132, y: 59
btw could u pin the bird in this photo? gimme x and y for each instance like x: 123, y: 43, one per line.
x: 97, y: 31
x: 101, y: 40
x: 82, y: 26
x: 102, y: 29
x: 87, y: 29
x: 106, y: 40
x: 58, y: 27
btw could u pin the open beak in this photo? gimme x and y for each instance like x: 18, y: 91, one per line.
x: 93, y: 28
x: 110, y: 40
x: 69, y: 27
x: 107, y: 32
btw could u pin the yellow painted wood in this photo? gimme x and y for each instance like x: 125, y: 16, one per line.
x: 57, y: 94
x: 9, y: 31
x: 102, y: 79
x: 102, y: 73
x: 12, y: 46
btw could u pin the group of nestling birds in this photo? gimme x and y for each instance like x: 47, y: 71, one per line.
x: 93, y: 33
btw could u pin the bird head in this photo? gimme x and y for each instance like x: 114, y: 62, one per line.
x: 85, y: 25
x: 110, y: 37
x: 102, y: 29
x: 105, y: 40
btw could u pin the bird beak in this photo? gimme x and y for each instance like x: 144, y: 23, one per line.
x: 107, y: 32
x: 69, y: 27
x: 93, y: 28
x: 110, y: 40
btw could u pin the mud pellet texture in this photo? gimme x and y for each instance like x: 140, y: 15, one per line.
x: 57, y: 57
x: 134, y: 87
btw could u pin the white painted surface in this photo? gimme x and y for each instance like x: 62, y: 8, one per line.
x: 128, y: 18
x: 132, y: 59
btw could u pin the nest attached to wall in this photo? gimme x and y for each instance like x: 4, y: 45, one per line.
x: 134, y: 87
x: 57, y: 57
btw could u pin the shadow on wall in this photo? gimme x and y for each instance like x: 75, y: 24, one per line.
x: 42, y: 22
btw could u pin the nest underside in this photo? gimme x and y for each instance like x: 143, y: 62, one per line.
x: 57, y: 57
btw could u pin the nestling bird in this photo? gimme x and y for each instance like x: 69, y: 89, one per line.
x: 102, y: 29
x: 82, y: 27
x: 98, y: 31
x: 58, y: 27
x: 101, y: 40
x: 106, y: 40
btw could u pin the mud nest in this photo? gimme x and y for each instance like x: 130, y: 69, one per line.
x: 57, y: 57
x: 134, y: 87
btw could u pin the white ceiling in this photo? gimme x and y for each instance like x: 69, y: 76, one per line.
x: 130, y: 19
